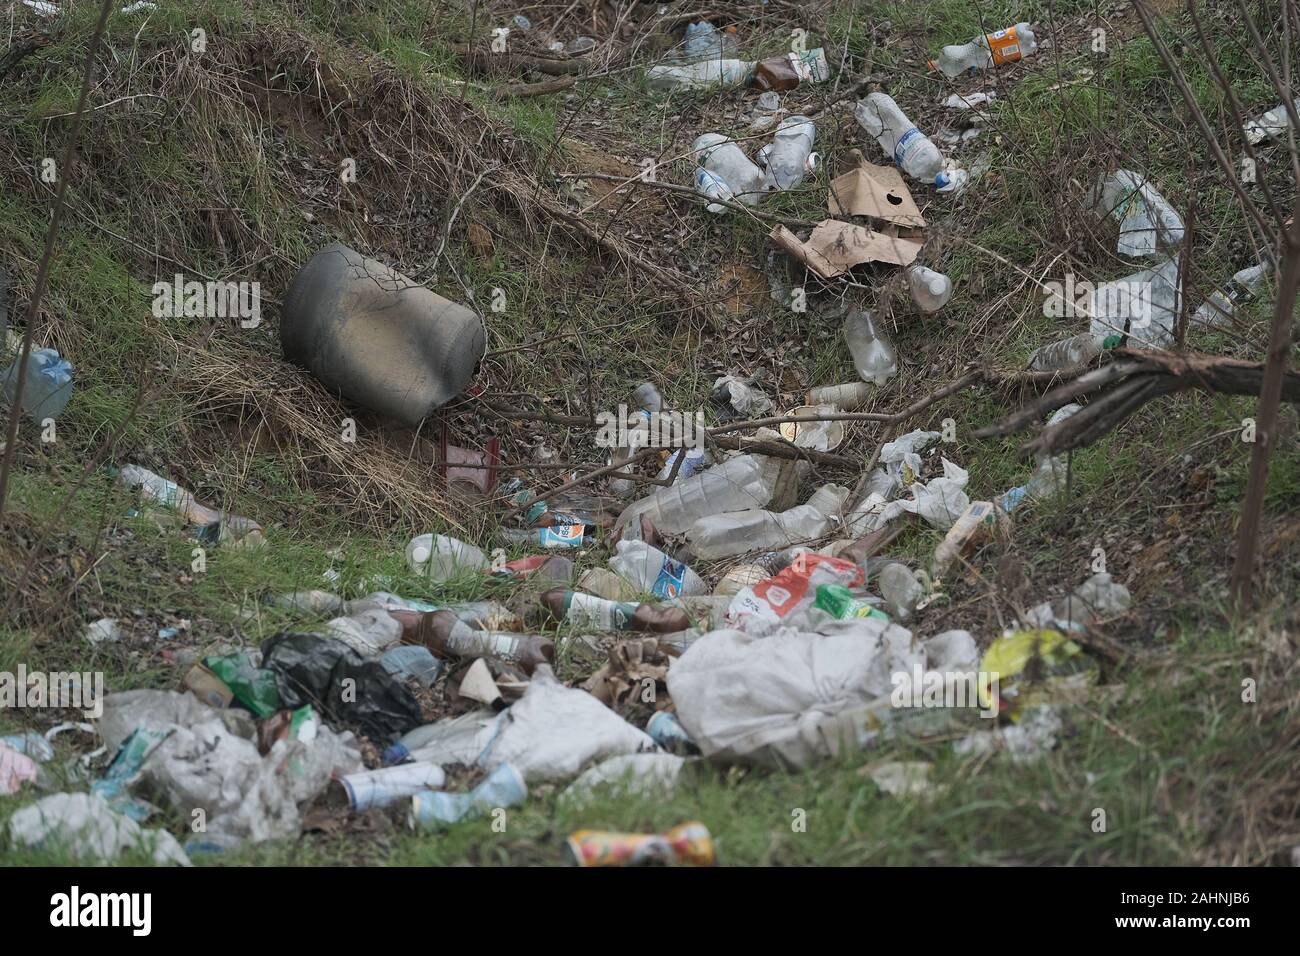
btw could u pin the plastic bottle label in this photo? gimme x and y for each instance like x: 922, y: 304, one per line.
x: 905, y: 144
x: 1004, y: 45
x: 586, y: 610
x: 671, y: 577
x: 561, y: 536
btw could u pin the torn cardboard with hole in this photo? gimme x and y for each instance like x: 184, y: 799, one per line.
x: 875, y: 191
x: 835, y: 247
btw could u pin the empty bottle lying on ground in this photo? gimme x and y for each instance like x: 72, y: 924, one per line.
x: 599, y: 614
x: 646, y: 401
x: 1066, y: 353
x: 1147, y: 223
x: 653, y: 572
x: 735, y: 532
x: 447, y: 636
x: 789, y: 70
x: 745, y: 481
x: 1224, y: 303
x: 1270, y: 125
x: 898, y: 136
x: 726, y: 173
x: 789, y: 157
x: 213, y: 526
x: 47, y: 386
x: 872, y: 354
x: 994, y: 49
x: 930, y: 290
x: 377, y: 337
x: 442, y: 558
x: 701, y: 75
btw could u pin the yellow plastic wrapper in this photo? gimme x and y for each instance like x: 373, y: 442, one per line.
x: 1031, y: 667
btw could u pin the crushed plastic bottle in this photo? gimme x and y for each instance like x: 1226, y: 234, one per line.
x: 900, y: 589
x: 648, y: 401
x: 767, y: 109
x: 745, y: 481
x: 47, y: 388
x: 1143, y: 305
x: 930, y: 290
x: 789, y: 157
x: 654, y: 572
x: 700, y: 76
x: 872, y: 354
x: 723, y: 535
x: 213, y: 526
x: 725, y: 172
x: 898, y: 136
x: 1050, y: 474
x: 1270, y: 125
x: 1225, y: 302
x: 1147, y: 222
x: 695, y: 461
x: 994, y: 49
x: 441, y: 558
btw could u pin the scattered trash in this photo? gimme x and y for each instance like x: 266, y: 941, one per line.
x: 689, y: 844
x: 901, y: 778
x: 875, y: 191
x: 789, y: 157
x: 1025, y: 742
x: 213, y: 526
x: 839, y: 602
x: 835, y: 247
x: 1067, y: 353
x: 745, y: 481
x: 971, y: 529
x: 982, y: 53
x: 969, y: 101
x: 411, y: 662
x: 47, y: 386
x: 735, y: 532
x: 792, y: 591
x: 726, y: 173
x: 791, y: 70
x: 930, y: 290
x: 254, y: 687
x: 901, y: 591
x: 872, y: 354
x: 16, y: 768
x: 104, y: 631
x: 381, y: 788
x: 585, y: 611
x: 1143, y: 305
x: 1226, y: 302
x: 503, y: 787
x: 643, y: 775
x: 376, y: 337
x: 1099, y: 596
x: 477, y: 684
x: 30, y: 744
x: 739, y: 398
x: 1058, y: 665
x: 700, y: 76
x: 441, y: 558
x: 848, y: 397
x: 1269, y: 125
x: 653, y: 572
x: 668, y: 732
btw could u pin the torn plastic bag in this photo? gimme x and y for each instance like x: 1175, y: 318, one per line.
x: 84, y: 824
x: 132, y: 710
x: 763, y: 700
x: 554, y: 731
x: 312, y: 668
x: 377, y: 337
x: 454, y: 740
x: 368, y: 631
x: 940, y: 501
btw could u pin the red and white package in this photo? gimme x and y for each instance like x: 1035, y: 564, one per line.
x: 794, y: 589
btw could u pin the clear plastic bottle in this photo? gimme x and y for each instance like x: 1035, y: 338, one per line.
x: 723, y: 535
x: 745, y: 481
x: 767, y: 109
x: 47, y: 387
x: 1223, y: 303
x: 789, y: 157
x: 1147, y: 223
x: 701, y: 75
x: 441, y: 558
x: 1066, y: 353
x: 704, y: 41
x: 648, y: 401
x: 930, y: 290
x: 1144, y: 305
x: 654, y: 572
x: 911, y: 149
x: 900, y: 589
x: 722, y: 159
x: 848, y: 397
x: 994, y: 49
x: 871, y: 351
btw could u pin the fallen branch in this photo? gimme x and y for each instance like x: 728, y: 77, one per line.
x: 523, y: 90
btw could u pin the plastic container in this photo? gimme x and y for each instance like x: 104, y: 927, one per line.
x: 728, y: 173
x: 441, y: 558
x: 745, y: 481
x: 1224, y: 303
x: 790, y: 70
x: 700, y: 76
x: 376, y: 337
x: 994, y: 49
x: 930, y: 290
x: 789, y: 157
x: 1066, y: 353
x: 654, y: 572
x: 898, y: 136
x: 1147, y: 223
x: 872, y: 354
x: 723, y: 535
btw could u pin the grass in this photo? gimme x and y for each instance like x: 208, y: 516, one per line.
x: 1183, y: 770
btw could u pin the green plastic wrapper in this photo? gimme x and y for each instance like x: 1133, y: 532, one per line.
x: 839, y: 602
x: 254, y: 687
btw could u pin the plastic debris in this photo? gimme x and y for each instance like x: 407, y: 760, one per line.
x: 503, y: 787
x: 688, y: 844
x: 84, y: 825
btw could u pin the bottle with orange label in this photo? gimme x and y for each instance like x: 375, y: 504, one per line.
x: 1003, y: 46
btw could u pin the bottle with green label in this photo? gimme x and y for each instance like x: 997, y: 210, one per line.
x: 839, y: 602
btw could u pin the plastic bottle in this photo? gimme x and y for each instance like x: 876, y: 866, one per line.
x: 447, y: 636
x: 583, y: 610
x: 767, y: 108
x: 723, y: 161
x: 723, y: 535
x: 696, y: 460
x: 900, y: 589
x: 745, y: 481
x: 701, y: 75
x: 930, y: 290
x: 966, y: 533
x: 871, y: 351
x: 1223, y: 303
x: 47, y: 387
x: 604, y: 583
x: 551, y: 536
x: 789, y: 70
x: 1270, y: 125
x: 882, y: 118
x: 1143, y: 305
x: 1066, y: 353
x: 1147, y: 222
x: 1003, y: 46
x: 789, y: 157
x: 848, y: 397
x: 214, y: 525
x: 647, y: 401
x: 704, y: 41
x: 440, y: 558
x: 654, y: 572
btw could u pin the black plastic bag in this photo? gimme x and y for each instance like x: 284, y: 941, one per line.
x: 312, y: 669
